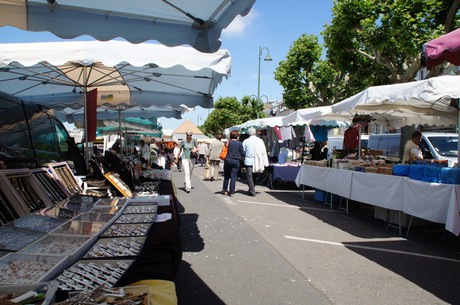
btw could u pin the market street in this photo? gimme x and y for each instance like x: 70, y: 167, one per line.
x: 276, y: 248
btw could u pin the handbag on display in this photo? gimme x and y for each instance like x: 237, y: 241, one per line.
x: 223, y: 153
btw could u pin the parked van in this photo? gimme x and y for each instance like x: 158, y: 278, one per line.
x: 336, y: 142
x: 434, y: 145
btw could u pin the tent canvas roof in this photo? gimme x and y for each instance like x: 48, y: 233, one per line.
x: 188, y: 125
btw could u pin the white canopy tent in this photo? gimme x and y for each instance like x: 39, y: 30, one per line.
x: 425, y: 102
x: 55, y: 74
x: 172, y: 23
x: 58, y: 75
x: 319, y: 116
x: 259, y: 123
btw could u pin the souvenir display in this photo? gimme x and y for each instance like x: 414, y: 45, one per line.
x: 111, y: 202
x: 7, y: 210
x: 136, y: 218
x: 119, y: 184
x: 18, y: 268
x: 52, y: 189
x: 103, y: 209
x: 24, y: 184
x: 148, y: 188
x: 60, y: 245
x: 141, y: 209
x: 160, y: 200
x: 62, y: 172
x: 94, y: 217
x: 86, y: 228
x: 37, y: 222
x: 104, y: 295
x: 90, y: 274
x: 84, y: 199
x: 114, y: 247
x: 122, y: 230
x: 14, y: 239
x: 160, y: 174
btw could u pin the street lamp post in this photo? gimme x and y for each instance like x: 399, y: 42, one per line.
x: 267, y: 58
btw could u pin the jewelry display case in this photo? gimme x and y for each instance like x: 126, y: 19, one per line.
x: 141, y: 209
x: 60, y: 245
x: 127, y: 230
x: 160, y: 200
x: 37, y: 222
x: 28, y: 196
x: 90, y: 274
x: 63, y: 174
x: 119, y: 184
x: 14, y: 239
x: 55, y: 191
x: 136, y: 218
x: 16, y: 268
x: 81, y: 228
x: 111, y: 202
x: 116, y: 247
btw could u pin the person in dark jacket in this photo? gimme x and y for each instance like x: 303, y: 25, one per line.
x: 232, y: 163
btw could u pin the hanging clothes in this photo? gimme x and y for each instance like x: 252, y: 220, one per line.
x: 287, y: 133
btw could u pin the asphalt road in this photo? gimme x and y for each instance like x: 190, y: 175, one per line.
x: 277, y: 248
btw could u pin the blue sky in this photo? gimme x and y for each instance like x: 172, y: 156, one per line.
x: 270, y: 24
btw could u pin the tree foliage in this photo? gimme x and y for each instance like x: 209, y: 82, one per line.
x: 367, y: 43
x: 228, y: 111
x: 380, y: 41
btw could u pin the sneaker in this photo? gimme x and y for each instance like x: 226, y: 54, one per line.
x: 224, y: 193
x: 231, y: 194
x: 187, y: 190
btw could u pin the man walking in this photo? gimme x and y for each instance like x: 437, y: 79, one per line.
x: 256, y: 158
x: 214, y: 151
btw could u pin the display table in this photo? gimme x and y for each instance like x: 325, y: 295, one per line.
x: 430, y: 201
x: 285, y: 172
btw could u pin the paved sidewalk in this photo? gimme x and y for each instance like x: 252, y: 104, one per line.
x: 276, y: 248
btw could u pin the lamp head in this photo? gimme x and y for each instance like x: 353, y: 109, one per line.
x: 268, y: 57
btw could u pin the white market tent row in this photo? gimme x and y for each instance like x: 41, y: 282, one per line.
x: 118, y: 113
x: 172, y: 23
x: 422, y: 102
x: 316, y: 116
x: 57, y: 74
x: 425, y: 102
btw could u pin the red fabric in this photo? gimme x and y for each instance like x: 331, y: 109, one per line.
x: 91, y: 116
x: 277, y: 131
x: 351, y: 138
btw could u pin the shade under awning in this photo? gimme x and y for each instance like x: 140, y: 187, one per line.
x: 170, y: 22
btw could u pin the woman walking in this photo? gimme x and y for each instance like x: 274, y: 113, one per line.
x: 232, y: 163
x: 187, y: 150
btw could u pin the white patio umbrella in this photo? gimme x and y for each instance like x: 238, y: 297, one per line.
x: 422, y: 102
x: 59, y: 74
x: 170, y: 22
x: 320, y: 116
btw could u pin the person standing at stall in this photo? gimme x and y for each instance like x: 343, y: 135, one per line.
x: 235, y: 154
x: 255, y: 159
x: 188, y: 151
x: 411, y: 150
x: 351, y: 137
x: 214, y: 151
x: 176, y: 152
x: 144, y: 152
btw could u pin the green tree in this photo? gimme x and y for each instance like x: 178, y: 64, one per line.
x: 377, y: 42
x: 228, y: 111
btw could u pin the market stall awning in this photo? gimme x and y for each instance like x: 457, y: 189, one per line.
x: 425, y: 102
x: 444, y: 48
x: 315, y: 116
x: 170, y: 22
x: 57, y: 74
x: 118, y: 113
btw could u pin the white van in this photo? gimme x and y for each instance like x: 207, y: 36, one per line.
x: 336, y: 142
x: 434, y: 145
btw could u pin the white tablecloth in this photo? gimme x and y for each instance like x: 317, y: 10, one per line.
x: 430, y: 201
